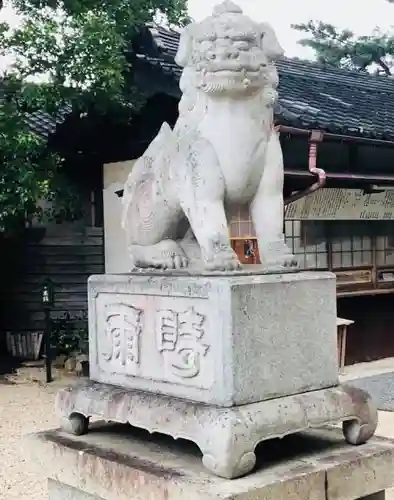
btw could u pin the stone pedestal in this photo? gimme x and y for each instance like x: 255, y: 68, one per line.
x: 121, y: 463
x: 227, y: 437
x: 230, y: 339
x: 226, y: 361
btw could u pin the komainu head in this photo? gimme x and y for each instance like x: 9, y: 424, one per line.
x: 228, y: 52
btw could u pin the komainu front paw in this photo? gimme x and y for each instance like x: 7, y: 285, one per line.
x: 288, y: 260
x: 278, y: 255
x: 224, y: 259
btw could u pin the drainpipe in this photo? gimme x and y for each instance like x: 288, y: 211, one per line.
x: 315, y: 138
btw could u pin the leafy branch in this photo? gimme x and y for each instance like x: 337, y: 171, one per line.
x: 343, y: 49
x: 78, y: 52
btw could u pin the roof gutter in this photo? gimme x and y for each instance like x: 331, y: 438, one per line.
x: 301, y: 131
x: 384, y: 179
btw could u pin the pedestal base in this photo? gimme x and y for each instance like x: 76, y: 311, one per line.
x: 227, y: 437
x: 118, y: 462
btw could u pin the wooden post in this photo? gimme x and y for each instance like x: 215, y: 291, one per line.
x: 47, y: 340
x: 47, y: 300
x: 342, y: 325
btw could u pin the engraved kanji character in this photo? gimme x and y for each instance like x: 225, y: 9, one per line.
x: 180, y: 334
x: 168, y: 330
x: 123, y: 332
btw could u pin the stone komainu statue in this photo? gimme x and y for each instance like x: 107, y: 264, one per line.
x: 223, y: 151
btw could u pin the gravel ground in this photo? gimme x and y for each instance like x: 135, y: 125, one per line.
x: 27, y: 406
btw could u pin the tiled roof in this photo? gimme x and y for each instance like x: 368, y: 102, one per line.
x: 44, y: 124
x: 311, y: 95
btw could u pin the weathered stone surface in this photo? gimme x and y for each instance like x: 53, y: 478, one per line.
x: 358, y: 478
x: 224, y: 151
x: 121, y: 463
x: 227, y: 437
x: 61, y: 491
x: 230, y: 339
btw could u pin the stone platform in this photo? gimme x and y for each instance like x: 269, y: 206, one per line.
x: 224, y: 339
x: 122, y: 463
x: 227, y: 437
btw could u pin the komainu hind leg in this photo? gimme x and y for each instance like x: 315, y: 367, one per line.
x: 151, y: 238
x: 151, y: 214
x: 166, y: 254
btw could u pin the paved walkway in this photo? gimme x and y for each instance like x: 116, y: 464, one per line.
x: 361, y: 370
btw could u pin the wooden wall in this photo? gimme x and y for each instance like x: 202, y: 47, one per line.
x: 372, y: 335
x: 67, y: 256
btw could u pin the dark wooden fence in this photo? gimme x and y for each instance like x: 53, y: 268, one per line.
x: 66, y: 256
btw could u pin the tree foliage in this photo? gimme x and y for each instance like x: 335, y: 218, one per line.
x: 27, y: 167
x: 342, y: 48
x: 83, y: 48
x: 77, y: 52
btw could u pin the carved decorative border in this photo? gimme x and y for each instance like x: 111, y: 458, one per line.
x: 227, y: 437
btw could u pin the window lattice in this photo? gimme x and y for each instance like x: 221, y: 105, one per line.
x: 240, y: 222
x: 327, y: 244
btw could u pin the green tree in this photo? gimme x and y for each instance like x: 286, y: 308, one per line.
x: 82, y: 49
x: 27, y: 168
x: 342, y: 48
x: 78, y: 52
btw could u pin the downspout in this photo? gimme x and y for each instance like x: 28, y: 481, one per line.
x: 315, y: 138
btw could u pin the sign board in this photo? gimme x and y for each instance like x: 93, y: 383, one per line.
x: 386, y: 276
x: 357, y: 277
x: 342, y: 204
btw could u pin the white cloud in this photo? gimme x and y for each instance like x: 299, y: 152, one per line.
x: 360, y: 17
x: 7, y: 15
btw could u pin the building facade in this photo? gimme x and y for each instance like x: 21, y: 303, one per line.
x: 339, y: 121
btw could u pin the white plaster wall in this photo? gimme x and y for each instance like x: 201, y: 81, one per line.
x: 114, y: 178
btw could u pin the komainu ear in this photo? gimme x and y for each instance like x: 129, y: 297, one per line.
x: 269, y: 43
x: 185, y: 47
